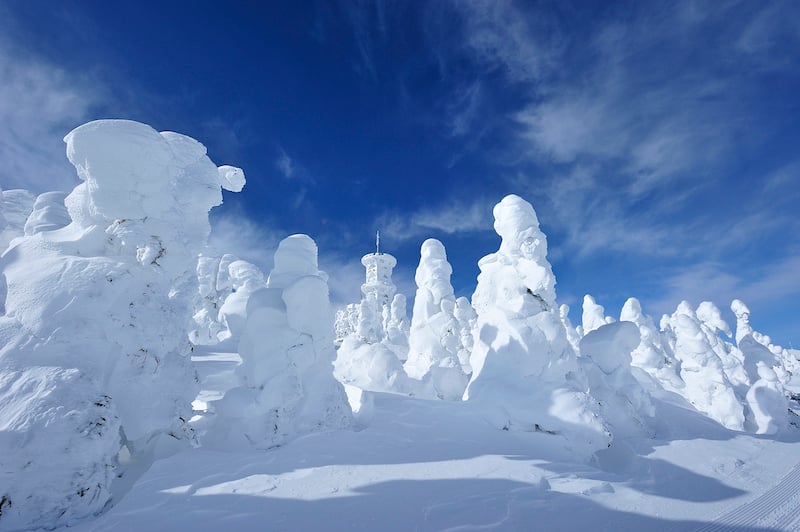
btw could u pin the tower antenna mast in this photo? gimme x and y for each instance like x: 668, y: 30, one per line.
x: 378, y: 242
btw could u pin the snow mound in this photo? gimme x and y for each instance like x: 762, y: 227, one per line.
x: 49, y: 213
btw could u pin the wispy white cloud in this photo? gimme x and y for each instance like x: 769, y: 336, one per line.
x: 500, y: 35
x: 713, y: 281
x: 637, y: 142
x: 39, y: 104
x: 450, y: 218
x: 248, y: 240
x: 285, y: 164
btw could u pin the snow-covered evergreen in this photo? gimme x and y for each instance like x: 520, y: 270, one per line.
x: 286, y: 384
x: 525, y: 375
x: 435, y: 339
x: 94, y: 353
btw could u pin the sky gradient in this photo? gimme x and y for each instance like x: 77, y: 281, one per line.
x: 657, y: 141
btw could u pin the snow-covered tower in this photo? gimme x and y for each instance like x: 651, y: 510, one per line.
x: 378, y: 286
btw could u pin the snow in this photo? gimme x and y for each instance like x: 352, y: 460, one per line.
x: 430, y: 465
x: 148, y: 385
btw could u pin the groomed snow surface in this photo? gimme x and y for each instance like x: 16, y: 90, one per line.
x: 146, y: 384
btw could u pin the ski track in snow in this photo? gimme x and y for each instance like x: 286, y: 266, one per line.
x: 778, y: 509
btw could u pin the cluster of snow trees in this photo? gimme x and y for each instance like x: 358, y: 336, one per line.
x: 105, y: 290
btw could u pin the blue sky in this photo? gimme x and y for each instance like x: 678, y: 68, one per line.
x: 657, y: 141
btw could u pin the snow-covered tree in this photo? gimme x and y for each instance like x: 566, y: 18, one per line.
x: 525, y: 373
x: 286, y: 384
x: 435, y: 337
x: 94, y: 355
x: 707, y: 387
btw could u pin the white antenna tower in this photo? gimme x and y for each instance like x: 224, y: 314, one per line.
x: 378, y: 242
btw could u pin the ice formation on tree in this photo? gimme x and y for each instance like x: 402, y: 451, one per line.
x: 766, y: 399
x: 286, y: 384
x: 651, y: 355
x: 207, y: 303
x: 712, y: 324
x: 373, y: 335
x: 573, y: 335
x: 525, y: 375
x: 94, y: 353
x: 707, y: 387
x: 435, y: 339
x: 594, y: 315
x: 244, y: 278
x: 224, y: 285
x: 606, y: 359
x: 467, y: 318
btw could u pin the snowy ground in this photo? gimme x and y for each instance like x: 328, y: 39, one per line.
x: 433, y: 465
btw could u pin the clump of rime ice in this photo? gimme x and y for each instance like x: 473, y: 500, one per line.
x: 767, y: 402
x: 286, y: 384
x: 435, y: 337
x: 765, y: 366
x: 606, y: 359
x: 573, y: 335
x: 372, y: 335
x: 651, y: 354
x: 707, y: 387
x: 48, y: 213
x: 594, y: 315
x: 94, y: 350
x: 525, y: 373
x: 712, y: 324
x: 244, y: 278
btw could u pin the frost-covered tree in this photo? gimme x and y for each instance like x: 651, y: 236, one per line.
x: 435, y: 337
x: 94, y: 356
x: 525, y: 373
x: 594, y: 315
x: 244, y: 278
x: 606, y: 359
x: 286, y: 384
x: 372, y: 335
x: 707, y: 387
